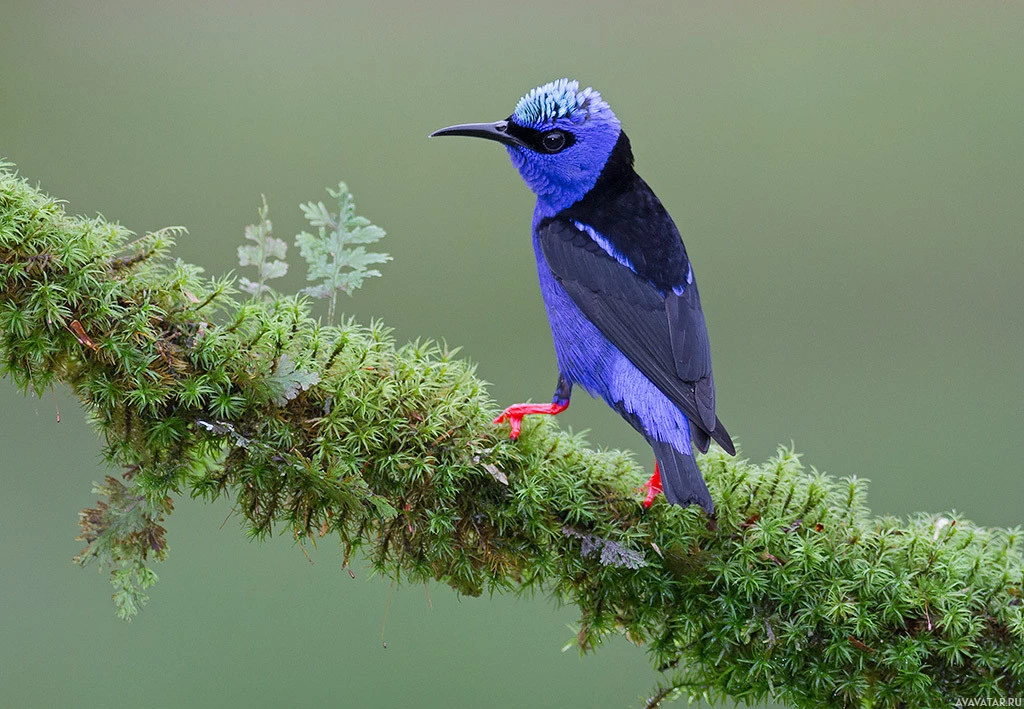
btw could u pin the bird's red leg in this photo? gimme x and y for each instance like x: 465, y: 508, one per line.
x: 653, y: 486
x: 514, y: 414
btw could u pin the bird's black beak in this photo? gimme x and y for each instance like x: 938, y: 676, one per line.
x: 491, y: 131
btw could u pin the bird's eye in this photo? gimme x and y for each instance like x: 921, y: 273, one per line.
x: 553, y: 141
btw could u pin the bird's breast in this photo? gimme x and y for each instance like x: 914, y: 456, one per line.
x: 584, y: 354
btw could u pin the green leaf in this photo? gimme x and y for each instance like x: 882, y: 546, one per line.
x: 266, y: 253
x: 121, y: 535
x: 288, y: 380
x: 335, y: 262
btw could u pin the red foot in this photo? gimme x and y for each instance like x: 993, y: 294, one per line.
x: 653, y: 487
x: 514, y: 414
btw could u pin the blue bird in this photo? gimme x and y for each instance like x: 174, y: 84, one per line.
x: 618, y: 288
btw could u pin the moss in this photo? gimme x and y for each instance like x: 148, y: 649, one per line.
x: 795, y: 592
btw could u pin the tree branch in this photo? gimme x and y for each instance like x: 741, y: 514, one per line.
x: 795, y: 592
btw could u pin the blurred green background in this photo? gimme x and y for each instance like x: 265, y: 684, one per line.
x: 848, y: 179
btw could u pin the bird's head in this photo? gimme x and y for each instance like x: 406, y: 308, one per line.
x: 559, y: 138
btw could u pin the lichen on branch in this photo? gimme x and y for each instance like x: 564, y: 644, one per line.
x: 795, y: 592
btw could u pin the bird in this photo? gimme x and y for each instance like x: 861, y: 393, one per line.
x: 618, y: 287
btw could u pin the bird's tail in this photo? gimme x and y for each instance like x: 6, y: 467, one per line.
x: 701, y: 439
x: 681, y: 480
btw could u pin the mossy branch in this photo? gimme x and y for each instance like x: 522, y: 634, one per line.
x: 795, y: 592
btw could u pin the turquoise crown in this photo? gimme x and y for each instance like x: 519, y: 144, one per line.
x: 560, y: 99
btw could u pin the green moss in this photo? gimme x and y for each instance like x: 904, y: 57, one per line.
x: 795, y: 592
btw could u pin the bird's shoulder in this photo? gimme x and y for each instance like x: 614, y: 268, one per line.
x: 628, y: 220
x: 590, y: 267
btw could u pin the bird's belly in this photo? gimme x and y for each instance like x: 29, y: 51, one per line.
x: 586, y: 357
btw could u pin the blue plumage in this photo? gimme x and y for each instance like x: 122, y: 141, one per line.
x: 617, y: 284
x: 586, y: 357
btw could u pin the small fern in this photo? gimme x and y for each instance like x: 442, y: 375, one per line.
x: 266, y: 253
x: 335, y: 257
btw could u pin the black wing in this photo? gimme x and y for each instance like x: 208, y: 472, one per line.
x: 664, y: 336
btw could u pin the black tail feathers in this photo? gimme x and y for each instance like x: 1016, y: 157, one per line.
x: 681, y: 480
x: 723, y: 438
x: 701, y: 439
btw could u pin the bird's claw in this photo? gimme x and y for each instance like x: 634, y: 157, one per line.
x: 515, y: 422
x: 514, y: 415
